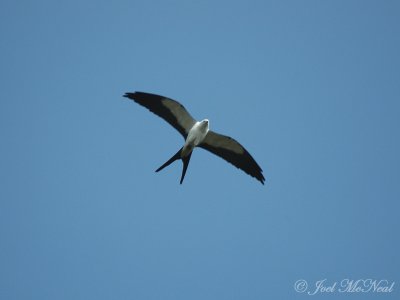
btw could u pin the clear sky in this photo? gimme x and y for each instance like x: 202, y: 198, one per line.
x: 310, y: 88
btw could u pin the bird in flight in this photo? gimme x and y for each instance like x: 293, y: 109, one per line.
x: 197, y: 134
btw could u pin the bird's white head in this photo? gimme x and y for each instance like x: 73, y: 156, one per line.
x: 205, y: 123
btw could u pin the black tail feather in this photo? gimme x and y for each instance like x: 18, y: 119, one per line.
x: 171, y: 160
x: 185, y: 161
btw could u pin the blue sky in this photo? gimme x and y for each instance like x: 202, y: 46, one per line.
x: 310, y: 88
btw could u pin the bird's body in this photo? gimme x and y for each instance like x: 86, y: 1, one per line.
x: 196, y: 134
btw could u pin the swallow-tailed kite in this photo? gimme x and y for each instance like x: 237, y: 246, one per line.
x: 197, y: 134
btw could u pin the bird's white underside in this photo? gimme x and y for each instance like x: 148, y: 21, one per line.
x: 195, y: 136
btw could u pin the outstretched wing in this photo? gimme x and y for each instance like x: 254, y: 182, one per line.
x: 234, y: 153
x: 170, y: 110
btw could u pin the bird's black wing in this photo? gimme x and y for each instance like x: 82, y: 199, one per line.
x: 234, y: 153
x: 170, y: 110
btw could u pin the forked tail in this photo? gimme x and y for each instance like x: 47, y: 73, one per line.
x: 177, y: 156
